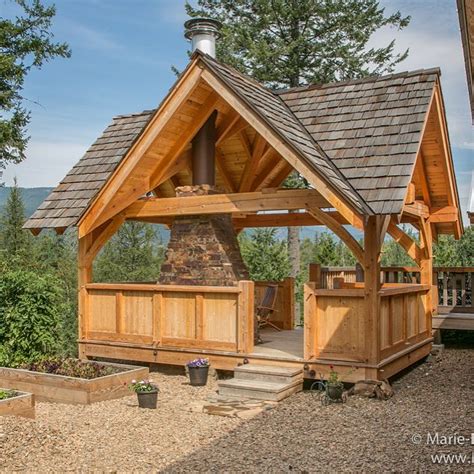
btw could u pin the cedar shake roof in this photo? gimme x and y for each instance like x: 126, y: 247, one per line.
x: 66, y: 204
x: 360, y: 136
x: 371, y: 129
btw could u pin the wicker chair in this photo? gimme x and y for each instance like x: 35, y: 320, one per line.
x: 266, y: 308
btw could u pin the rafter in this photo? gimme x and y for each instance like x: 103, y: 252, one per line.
x: 258, y: 155
x: 226, y: 127
x: 223, y: 173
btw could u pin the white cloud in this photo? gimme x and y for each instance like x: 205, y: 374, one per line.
x: 433, y: 39
x: 46, y: 163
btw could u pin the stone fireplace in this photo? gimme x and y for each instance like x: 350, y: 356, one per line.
x: 203, y: 249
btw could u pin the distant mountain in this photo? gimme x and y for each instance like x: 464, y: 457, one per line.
x: 32, y: 197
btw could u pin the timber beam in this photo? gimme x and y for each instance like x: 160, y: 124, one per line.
x: 291, y: 219
x: 417, y: 209
x: 408, y: 243
x: 285, y: 199
x: 444, y: 215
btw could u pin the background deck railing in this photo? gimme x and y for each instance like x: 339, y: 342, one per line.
x: 453, y: 285
x: 202, y: 317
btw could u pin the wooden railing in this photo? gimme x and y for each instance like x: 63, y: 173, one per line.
x: 203, y: 317
x: 405, y: 318
x: 284, y: 315
x: 453, y: 285
x: 336, y: 325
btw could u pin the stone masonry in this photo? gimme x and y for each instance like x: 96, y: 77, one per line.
x: 203, y: 249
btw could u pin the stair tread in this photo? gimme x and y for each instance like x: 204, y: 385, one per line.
x: 269, y: 369
x: 257, y: 385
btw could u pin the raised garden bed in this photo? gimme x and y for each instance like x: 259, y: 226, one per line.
x: 52, y: 387
x: 17, y: 403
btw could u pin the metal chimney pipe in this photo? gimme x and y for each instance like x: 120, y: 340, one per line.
x: 203, y: 33
x: 204, y: 153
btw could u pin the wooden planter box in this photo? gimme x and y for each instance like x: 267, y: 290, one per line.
x: 22, y: 404
x: 62, y: 389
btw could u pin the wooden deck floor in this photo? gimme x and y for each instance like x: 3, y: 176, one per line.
x: 454, y: 321
x: 281, y: 344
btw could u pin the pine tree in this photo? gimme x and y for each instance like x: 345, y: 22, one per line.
x: 16, y: 244
x: 287, y: 43
x: 25, y: 44
x: 134, y: 253
x: 265, y: 256
x: 466, y: 247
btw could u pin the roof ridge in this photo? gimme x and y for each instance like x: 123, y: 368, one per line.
x: 134, y: 114
x: 361, y: 80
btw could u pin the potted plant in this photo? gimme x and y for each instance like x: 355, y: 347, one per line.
x: 147, y: 393
x: 334, y: 387
x: 198, y: 370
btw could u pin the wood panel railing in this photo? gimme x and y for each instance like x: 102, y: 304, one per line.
x: 203, y: 317
x: 336, y: 325
x: 405, y: 318
x: 284, y: 315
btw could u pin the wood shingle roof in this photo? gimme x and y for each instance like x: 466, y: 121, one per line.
x: 371, y: 129
x: 69, y: 200
x: 361, y: 137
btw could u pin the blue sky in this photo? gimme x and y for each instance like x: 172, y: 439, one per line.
x: 122, y: 52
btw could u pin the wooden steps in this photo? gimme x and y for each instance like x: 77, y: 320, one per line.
x: 262, y: 382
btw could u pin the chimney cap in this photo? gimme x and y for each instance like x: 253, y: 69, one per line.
x: 201, y: 26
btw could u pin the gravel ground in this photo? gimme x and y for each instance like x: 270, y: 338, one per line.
x: 299, y: 435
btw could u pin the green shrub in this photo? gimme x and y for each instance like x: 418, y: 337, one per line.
x: 30, y: 316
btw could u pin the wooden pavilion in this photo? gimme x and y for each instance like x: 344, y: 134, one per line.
x: 376, y: 153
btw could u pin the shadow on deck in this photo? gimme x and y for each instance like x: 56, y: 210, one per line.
x: 281, y: 344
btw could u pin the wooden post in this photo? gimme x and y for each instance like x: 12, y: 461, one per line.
x: 157, y: 314
x: 315, y: 274
x: 84, y: 277
x: 310, y: 321
x: 426, y: 269
x: 373, y: 238
x: 245, y: 317
x: 288, y: 286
